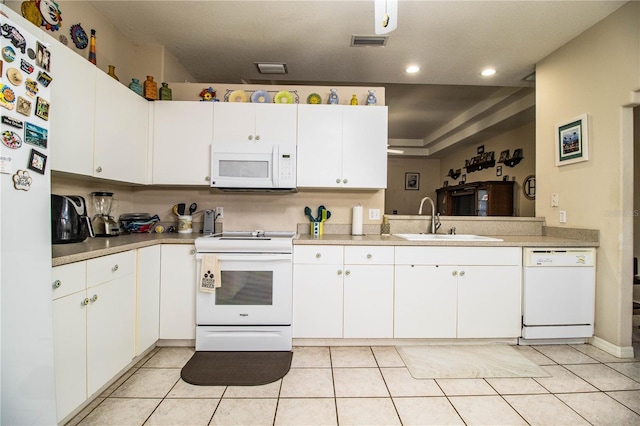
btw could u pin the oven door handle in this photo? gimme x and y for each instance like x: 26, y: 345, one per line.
x: 250, y: 258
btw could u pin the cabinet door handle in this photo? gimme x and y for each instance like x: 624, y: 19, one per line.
x: 337, y: 180
x: 347, y: 272
x: 94, y: 298
x: 115, y: 268
x: 339, y: 271
x: 369, y: 256
x: 250, y: 137
x: 454, y: 273
x: 257, y: 137
x: 99, y: 169
x: 85, y: 302
x: 192, y: 251
x: 462, y: 273
x: 207, y: 178
x: 318, y: 255
x: 345, y: 180
x: 57, y: 284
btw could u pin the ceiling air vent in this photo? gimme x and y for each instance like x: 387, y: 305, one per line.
x: 371, y: 41
x: 271, y: 67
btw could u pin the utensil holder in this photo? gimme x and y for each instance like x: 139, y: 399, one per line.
x: 185, y: 224
x: 316, y: 229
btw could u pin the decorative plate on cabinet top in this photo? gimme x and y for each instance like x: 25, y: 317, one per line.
x: 260, y: 97
x: 238, y: 96
x: 283, y: 97
x: 314, y: 98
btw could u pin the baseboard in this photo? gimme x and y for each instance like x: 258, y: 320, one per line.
x: 610, y: 348
x: 398, y: 342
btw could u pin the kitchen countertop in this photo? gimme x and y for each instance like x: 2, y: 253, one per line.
x: 96, y: 247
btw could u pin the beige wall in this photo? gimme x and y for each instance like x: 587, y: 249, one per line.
x: 112, y: 47
x: 524, y: 138
x: 595, y: 74
x: 407, y: 201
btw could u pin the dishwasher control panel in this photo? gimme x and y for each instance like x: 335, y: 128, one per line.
x: 559, y: 257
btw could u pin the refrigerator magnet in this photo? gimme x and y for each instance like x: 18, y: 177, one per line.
x: 17, y: 39
x: 26, y: 66
x: 14, y: 76
x: 37, y: 161
x: 8, y: 54
x: 11, y: 139
x: 42, y: 109
x: 35, y: 135
x: 44, y: 78
x: 7, y: 97
x: 23, y: 106
x: 22, y: 180
x: 43, y: 56
x: 10, y: 121
x: 32, y: 88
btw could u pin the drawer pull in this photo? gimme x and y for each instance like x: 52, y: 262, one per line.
x: 115, y: 267
x: 337, y: 180
x: 318, y: 255
x: 345, y: 180
x: 99, y: 169
x: 369, y: 256
x: 192, y: 251
x: 57, y: 284
x: 94, y: 298
x: 85, y: 302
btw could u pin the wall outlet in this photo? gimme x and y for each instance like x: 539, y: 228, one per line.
x: 554, y: 200
x: 563, y: 216
x: 219, y: 212
x: 374, y: 214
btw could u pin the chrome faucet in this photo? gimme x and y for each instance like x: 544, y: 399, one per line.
x: 435, y: 218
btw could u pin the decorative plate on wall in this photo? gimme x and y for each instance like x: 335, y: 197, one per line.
x: 260, y: 97
x: 314, y: 98
x: 283, y: 97
x: 238, y: 96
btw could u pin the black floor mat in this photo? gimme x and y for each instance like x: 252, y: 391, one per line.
x: 236, y: 368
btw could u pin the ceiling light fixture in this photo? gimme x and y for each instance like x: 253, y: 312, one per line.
x: 412, y: 69
x: 488, y: 72
x: 271, y: 67
x: 394, y: 151
x: 386, y: 16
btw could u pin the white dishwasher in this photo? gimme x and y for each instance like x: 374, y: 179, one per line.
x: 558, y: 298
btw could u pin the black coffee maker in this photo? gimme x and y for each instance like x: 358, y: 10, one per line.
x: 69, y: 220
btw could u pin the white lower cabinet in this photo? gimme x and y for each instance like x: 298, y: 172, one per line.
x: 342, y: 291
x: 94, y: 325
x: 148, y: 298
x: 178, y: 291
x: 463, y: 292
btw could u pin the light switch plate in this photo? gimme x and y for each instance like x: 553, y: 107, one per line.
x: 219, y: 212
x: 554, y: 200
x: 374, y: 214
x: 563, y: 216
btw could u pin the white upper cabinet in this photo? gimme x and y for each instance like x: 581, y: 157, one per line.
x: 246, y: 122
x: 72, y: 119
x: 121, y: 132
x: 182, y: 136
x: 342, y: 146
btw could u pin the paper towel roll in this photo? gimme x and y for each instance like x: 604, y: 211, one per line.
x: 356, y: 221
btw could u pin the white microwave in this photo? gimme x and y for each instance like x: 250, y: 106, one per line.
x: 253, y: 166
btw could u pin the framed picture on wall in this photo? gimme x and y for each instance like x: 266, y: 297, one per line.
x: 412, y: 180
x: 572, y: 141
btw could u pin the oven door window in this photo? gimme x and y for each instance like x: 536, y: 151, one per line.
x: 248, y: 288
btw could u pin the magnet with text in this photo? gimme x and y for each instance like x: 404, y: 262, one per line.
x: 22, y: 180
x: 10, y: 121
x: 26, y: 66
x: 32, y: 87
x: 44, y: 78
x: 17, y: 39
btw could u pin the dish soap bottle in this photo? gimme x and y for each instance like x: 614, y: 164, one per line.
x: 385, y: 228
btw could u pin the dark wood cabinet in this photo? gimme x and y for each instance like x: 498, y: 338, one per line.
x: 488, y: 198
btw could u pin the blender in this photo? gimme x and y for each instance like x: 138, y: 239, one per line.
x: 103, y: 224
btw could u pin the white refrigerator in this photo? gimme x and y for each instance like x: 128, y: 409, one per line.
x: 27, y: 392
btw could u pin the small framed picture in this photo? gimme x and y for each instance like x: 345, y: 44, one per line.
x: 499, y: 171
x: 480, y: 149
x: 43, y: 56
x: 572, y: 141
x: 463, y: 179
x: 42, y: 109
x: 505, y: 178
x: 37, y: 161
x: 445, y: 183
x: 504, y: 155
x: 23, y: 106
x: 36, y: 135
x: 412, y: 181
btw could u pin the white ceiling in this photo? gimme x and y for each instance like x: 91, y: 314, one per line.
x: 447, y: 104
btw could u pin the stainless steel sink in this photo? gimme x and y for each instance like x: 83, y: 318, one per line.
x: 446, y: 237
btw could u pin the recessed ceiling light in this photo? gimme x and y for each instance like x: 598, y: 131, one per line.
x: 488, y: 72
x: 271, y: 67
x: 412, y: 69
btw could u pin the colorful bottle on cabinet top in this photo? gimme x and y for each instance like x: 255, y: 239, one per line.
x: 165, y: 92
x: 136, y: 86
x: 150, y: 89
x: 112, y: 72
x: 92, y: 47
x: 354, y: 100
x: 333, y: 97
x: 371, y: 98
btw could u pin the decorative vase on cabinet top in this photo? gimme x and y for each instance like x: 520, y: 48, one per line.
x: 136, y: 86
x: 112, y: 72
x: 333, y: 97
x: 92, y: 47
x: 165, y: 92
x: 354, y: 100
x: 150, y: 89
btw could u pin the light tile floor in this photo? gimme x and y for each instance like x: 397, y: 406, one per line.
x: 372, y: 386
